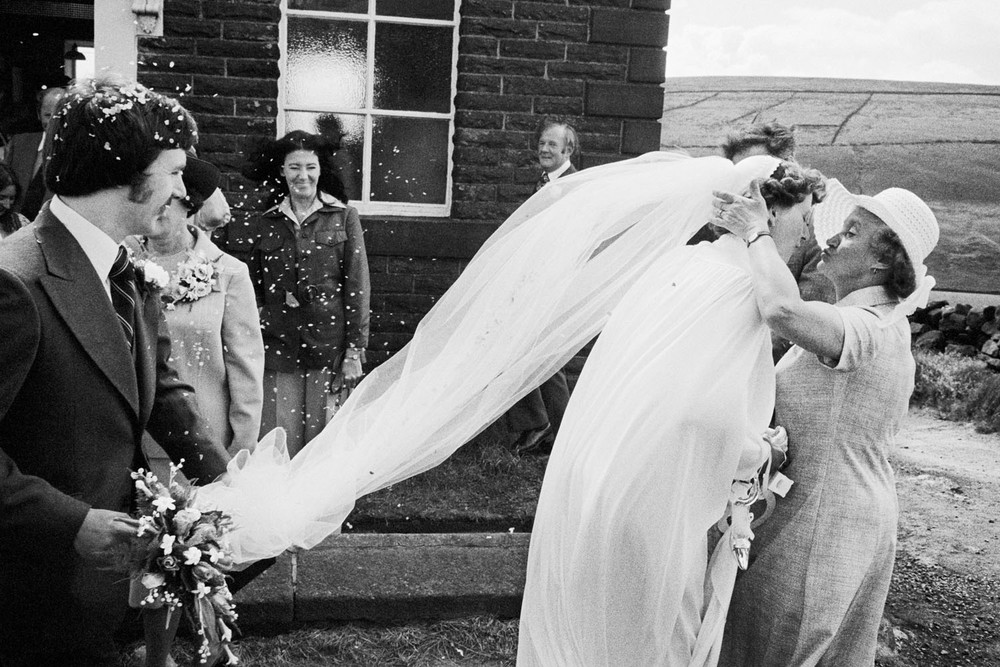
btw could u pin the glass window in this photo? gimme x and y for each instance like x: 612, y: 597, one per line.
x: 380, y: 76
x: 409, y: 159
x: 420, y: 9
x: 405, y: 82
x: 351, y: 6
x: 326, y: 64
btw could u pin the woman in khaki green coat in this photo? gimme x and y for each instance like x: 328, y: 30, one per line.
x: 310, y: 274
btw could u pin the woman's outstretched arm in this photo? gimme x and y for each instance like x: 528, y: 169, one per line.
x: 812, y: 325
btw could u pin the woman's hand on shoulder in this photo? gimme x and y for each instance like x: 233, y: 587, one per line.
x: 743, y: 215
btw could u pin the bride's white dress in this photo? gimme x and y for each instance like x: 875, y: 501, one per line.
x: 678, y: 384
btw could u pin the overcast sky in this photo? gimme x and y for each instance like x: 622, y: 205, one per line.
x: 954, y: 41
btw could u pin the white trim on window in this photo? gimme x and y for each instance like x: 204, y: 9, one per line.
x: 365, y: 205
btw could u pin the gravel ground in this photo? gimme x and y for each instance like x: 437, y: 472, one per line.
x: 940, y: 618
x: 944, y: 602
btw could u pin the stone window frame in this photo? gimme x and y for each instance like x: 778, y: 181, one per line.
x: 364, y: 205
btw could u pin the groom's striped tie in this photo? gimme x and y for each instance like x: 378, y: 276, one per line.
x: 122, y: 279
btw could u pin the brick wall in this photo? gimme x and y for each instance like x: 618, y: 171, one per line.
x: 220, y: 59
x: 598, y: 64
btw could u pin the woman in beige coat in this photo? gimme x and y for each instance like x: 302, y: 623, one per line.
x: 211, y: 312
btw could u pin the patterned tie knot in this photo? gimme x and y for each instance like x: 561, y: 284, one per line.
x: 122, y: 279
x: 543, y: 179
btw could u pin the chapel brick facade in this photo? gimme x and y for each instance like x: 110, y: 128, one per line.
x: 599, y: 64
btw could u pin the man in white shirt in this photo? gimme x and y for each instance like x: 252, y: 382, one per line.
x: 535, y: 418
x: 86, y: 370
x: 557, y: 143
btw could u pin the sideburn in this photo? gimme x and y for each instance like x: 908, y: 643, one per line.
x: 138, y: 193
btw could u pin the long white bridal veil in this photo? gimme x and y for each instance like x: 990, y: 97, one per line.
x: 536, y: 292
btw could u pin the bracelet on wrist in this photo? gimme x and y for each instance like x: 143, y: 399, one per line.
x: 756, y: 236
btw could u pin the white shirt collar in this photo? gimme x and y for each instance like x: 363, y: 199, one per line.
x: 100, y: 248
x: 560, y: 171
x: 322, y: 199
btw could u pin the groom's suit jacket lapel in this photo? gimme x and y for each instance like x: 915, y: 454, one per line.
x: 76, y: 293
x: 147, y: 332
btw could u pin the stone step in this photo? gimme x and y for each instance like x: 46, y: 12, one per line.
x: 386, y: 578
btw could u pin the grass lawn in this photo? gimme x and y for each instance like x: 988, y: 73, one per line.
x: 483, y: 487
x: 471, y: 642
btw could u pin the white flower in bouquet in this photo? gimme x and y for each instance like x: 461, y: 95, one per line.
x: 163, y: 504
x: 153, y: 580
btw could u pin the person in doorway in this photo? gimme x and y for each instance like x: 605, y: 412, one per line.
x: 10, y: 193
x: 26, y: 154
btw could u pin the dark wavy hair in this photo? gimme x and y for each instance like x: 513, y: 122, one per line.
x: 790, y: 184
x: 8, y: 220
x: 777, y: 139
x: 265, y: 165
x: 106, y: 131
x: 888, y: 248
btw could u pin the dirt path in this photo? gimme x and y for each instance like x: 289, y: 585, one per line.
x: 948, y: 481
x: 945, y: 599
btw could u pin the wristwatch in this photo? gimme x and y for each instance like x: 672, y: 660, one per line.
x: 757, y: 235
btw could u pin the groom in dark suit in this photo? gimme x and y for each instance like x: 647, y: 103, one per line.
x: 84, y: 359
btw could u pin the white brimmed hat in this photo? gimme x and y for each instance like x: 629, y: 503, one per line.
x: 904, y: 212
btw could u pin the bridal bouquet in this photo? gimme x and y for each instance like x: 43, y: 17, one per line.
x: 179, y: 557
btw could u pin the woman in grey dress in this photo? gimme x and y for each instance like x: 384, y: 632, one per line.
x: 820, y: 565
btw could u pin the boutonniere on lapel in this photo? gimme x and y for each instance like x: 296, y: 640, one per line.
x: 149, y: 276
x: 196, y: 277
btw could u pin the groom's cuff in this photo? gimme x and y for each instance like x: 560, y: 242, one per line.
x: 41, y: 521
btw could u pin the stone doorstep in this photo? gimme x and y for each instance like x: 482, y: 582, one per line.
x: 380, y: 577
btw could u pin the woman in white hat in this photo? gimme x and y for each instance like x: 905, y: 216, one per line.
x: 820, y: 565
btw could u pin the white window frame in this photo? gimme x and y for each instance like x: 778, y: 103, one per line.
x: 365, y: 206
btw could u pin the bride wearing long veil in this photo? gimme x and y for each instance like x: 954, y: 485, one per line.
x: 540, y: 288
x: 669, y: 410
x: 590, y: 246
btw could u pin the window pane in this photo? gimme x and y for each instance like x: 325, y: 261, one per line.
x: 350, y: 6
x: 419, y: 9
x: 326, y: 63
x: 409, y: 82
x: 409, y: 160
x: 350, y: 129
